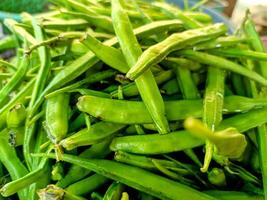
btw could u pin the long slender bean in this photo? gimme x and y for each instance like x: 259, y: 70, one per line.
x: 146, y: 83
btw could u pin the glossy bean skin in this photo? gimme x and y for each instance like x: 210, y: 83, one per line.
x: 123, y: 111
x: 146, y: 83
x: 176, y: 41
x: 97, y: 133
x: 151, y: 183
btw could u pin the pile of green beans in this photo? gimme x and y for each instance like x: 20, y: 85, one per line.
x: 131, y: 100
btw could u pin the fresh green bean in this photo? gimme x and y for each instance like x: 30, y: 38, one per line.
x: 97, y: 133
x: 129, y: 175
x: 146, y: 84
x: 176, y: 41
x: 123, y: 111
x: 8, y: 65
x: 171, y: 87
x: 60, y: 24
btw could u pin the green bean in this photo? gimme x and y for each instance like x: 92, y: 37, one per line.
x: 75, y: 173
x: 213, y: 108
x: 176, y: 41
x: 129, y: 175
x: 220, y: 42
x: 15, y: 80
x: 109, y: 55
x: 114, y: 191
x: 97, y: 133
x: 23, y: 182
x: 146, y: 162
x: 155, y: 143
x: 123, y: 111
x: 218, y: 62
x: 87, y: 185
x: 233, y: 195
x: 80, y: 7
x: 57, y: 117
x: 146, y: 84
x: 238, y: 83
x: 131, y: 89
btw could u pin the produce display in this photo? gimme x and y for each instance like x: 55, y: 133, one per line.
x: 129, y: 100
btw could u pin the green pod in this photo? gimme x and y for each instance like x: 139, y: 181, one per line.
x: 87, y: 185
x: 16, y: 116
x: 56, y: 119
x: 125, y: 112
x: 177, y: 41
x: 97, y: 133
